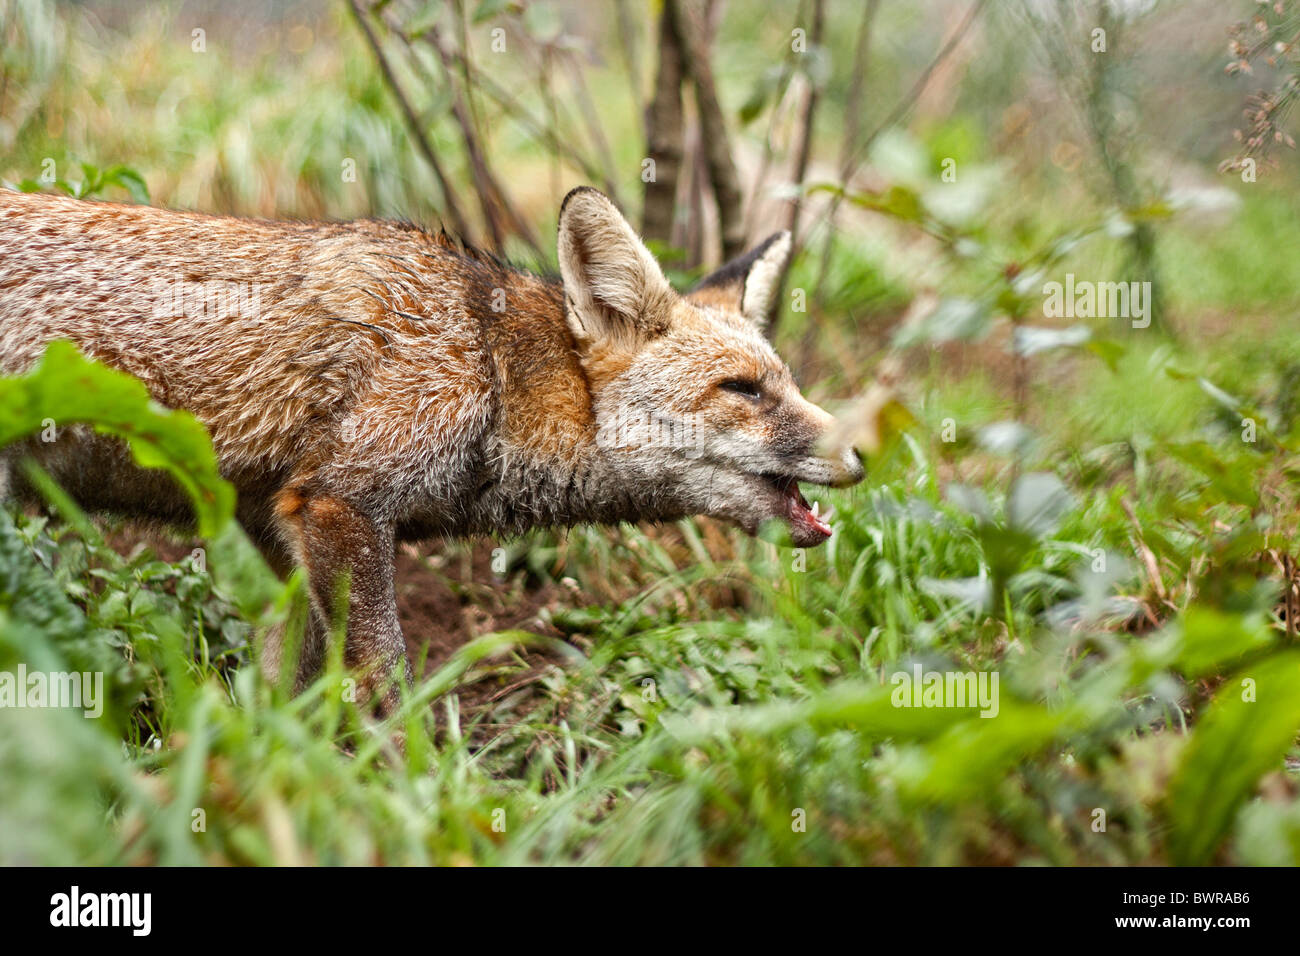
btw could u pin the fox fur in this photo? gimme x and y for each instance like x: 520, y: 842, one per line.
x: 375, y: 383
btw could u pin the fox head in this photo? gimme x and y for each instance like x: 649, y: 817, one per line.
x: 693, y: 407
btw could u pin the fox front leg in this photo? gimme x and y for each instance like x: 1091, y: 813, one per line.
x: 348, y: 557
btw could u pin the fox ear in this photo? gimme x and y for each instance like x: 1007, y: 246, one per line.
x: 749, y: 283
x: 615, y: 288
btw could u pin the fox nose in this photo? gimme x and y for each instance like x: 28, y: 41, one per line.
x: 853, y: 470
x: 846, y: 467
x: 845, y: 464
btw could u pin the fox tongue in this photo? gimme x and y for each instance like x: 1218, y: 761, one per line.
x: 798, y: 510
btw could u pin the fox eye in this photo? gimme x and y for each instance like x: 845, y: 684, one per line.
x: 742, y: 386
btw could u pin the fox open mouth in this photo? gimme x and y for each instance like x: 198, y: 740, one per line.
x: 808, y: 527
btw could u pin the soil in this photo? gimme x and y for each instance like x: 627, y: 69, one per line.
x: 441, y: 608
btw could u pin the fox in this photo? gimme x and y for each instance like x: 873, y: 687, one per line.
x: 375, y: 382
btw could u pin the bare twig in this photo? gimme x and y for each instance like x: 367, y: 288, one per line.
x: 631, y: 58
x: 852, y: 130
x: 807, y: 120
x: 451, y: 210
x: 857, y: 81
x: 548, y: 137
x: 498, y: 211
x: 765, y: 163
x: 850, y: 165
x: 590, y: 115
x: 904, y: 105
x: 806, y: 126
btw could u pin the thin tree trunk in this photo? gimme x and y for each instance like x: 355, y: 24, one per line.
x: 713, y: 126
x: 664, y: 132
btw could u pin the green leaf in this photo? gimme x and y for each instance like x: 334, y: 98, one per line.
x: 1108, y: 350
x: 1210, y: 638
x: 67, y: 387
x: 1236, y: 742
x: 128, y: 179
x: 900, y: 202
x: 1037, y: 502
x: 953, y: 319
x: 1030, y: 340
x: 967, y: 761
x: 1234, y: 479
x: 769, y: 83
x: 487, y: 9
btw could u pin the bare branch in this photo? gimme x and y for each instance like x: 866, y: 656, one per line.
x: 498, y: 212
x: 801, y: 164
x: 450, y: 209
x: 548, y: 137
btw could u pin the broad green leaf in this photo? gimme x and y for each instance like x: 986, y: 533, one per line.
x: 68, y: 388
x: 1108, y: 350
x: 1037, y: 502
x: 953, y: 319
x: 1209, y: 638
x: 1244, y: 733
x: 1230, y: 475
x: 1030, y: 340
x: 967, y: 761
x: 128, y: 179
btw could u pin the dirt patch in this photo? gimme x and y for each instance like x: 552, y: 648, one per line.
x: 443, y: 608
x: 446, y: 597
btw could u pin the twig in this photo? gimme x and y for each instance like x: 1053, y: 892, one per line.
x: 900, y: 109
x: 1145, y: 553
x: 492, y: 196
x: 631, y: 59
x: 800, y: 167
x: 451, y: 209
x: 904, y: 105
x: 589, y: 114
x: 852, y: 130
x: 538, y: 129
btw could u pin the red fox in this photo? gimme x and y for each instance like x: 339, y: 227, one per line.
x: 368, y: 383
